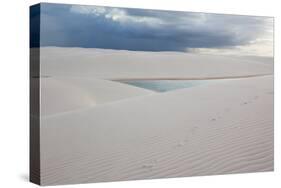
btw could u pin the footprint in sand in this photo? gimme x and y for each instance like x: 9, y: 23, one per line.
x: 248, y: 102
x: 149, y: 166
x: 181, y: 144
x: 237, y: 127
x: 213, y: 119
x: 194, y: 130
x: 245, y: 103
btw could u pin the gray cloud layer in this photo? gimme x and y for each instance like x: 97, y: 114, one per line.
x: 146, y: 30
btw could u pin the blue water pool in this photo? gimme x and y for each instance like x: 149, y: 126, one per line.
x: 164, y: 85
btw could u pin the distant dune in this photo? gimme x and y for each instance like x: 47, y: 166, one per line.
x: 120, y: 64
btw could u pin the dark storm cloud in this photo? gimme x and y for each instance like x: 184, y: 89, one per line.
x: 146, y: 30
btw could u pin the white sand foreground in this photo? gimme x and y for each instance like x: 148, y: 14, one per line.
x: 205, y: 130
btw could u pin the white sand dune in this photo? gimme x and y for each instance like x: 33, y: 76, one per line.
x: 94, y: 129
x: 60, y: 95
x: 210, y: 129
x: 118, y: 64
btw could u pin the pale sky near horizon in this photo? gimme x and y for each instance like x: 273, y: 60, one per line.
x: 154, y: 30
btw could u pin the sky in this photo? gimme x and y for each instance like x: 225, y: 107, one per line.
x: 155, y: 30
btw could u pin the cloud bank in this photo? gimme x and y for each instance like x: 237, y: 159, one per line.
x: 150, y: 30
